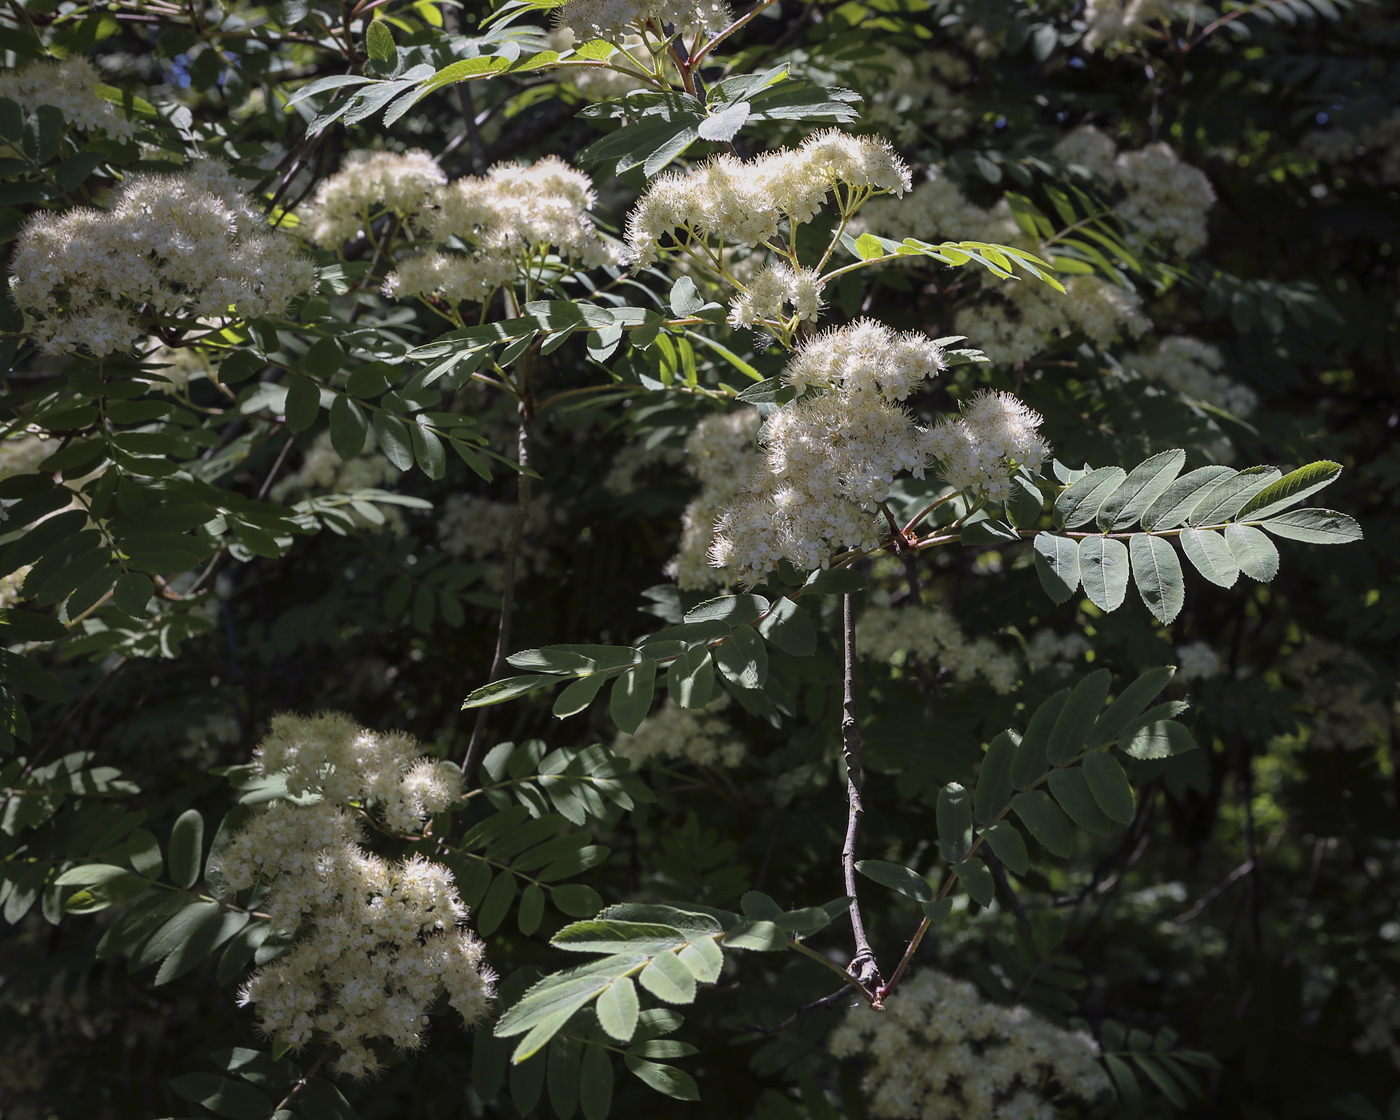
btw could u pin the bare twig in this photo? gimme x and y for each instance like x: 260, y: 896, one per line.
x: 78, y: 710
x: 517, y: 533
x: 863, y: 966
x: 1216, y: 891
x: 807, y: 1009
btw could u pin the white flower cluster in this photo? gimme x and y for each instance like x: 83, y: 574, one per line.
x: 1191, y: 367
x: 1048, y: 648
x: 479, y: 528
x: 1014, y: 329
x: 615, y: 20
x: 1336, y: 145
x: 700, y: 737
x: 381, y: 939
x: 913, y: 93
x: 1345, y: 701
x: 774, y: 287
x: 507, y: 217
x: 980, y: 450
x: 831, y: 456
x: 744, y: 202
x: 322, y: 471
x: 12, y: 585
x: 635, y: 462
x: 1197, y: 661
x: 939, y: 1051
x: 1164, y: 197
x: 188, y: 245
x: 369, y: 184
x: 1119, y: 21
x: 332, y: 755
x: 933, y: 636
x: 1167, y: 198
x: 722, y: 455
x: 71, y: 86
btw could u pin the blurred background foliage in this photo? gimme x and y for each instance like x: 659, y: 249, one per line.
x: 1251, y: 905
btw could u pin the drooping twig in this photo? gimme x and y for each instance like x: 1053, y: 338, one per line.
x: 806, y: 1009
x: 863, y: 966
x: 517, y: 533
x: 1216, y: 891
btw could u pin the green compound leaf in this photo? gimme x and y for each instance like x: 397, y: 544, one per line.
x: 612, y: 935
x: 1145, y: 483
x: 743, y: 659
x: 211, y: 931
x: 596, y: 1084
x: 787, y: 626
x: 578, y: 695
x: 1291, y: 489
x: 1210, y: 555
x: 1032, y: 758
x: 954, y: 816
x: 1315, y: 526
x: 1109, y: 785
x: 691, y: 678
x: 531, y: 910
x: 1181, y: 497
x: 976, y: 880
x: 303, y: 403
x: 669, y: 980
x: 1228, y: 496
x: 994, y: 778
x: 1057, y: 565
x: 548, y: 1005
x: 1104, y: 569
x: 1070, y: 733
x: 1157, y: 573
x: 379, y: 42
x: 223, y: 1097
x: 1043, y: 818
x: 564, y: 1071
x: 897, y: 877
x: 733, y: 610
x: 1080, y: 502
x: 185, y: 852
x: 1009, y: 846
x: 664, y: 1079
x: 1071, y: 789
x: 1160, y: 739
x: 631, y: 696
x: 705, y: 959
x: 1256, y: 555
x: 498, y: 692
x: 496, y: 904
x: 618, y: 1009
x: 395, y: 440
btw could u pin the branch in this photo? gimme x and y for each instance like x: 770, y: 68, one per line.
x: 1215, y: 892
x: 517, y: 533
x: 806, y: 1009
x: 863, y: 966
